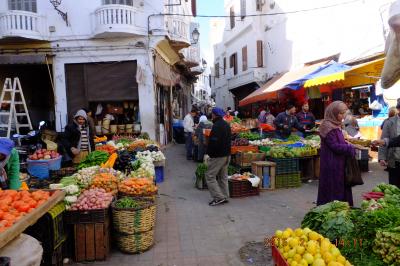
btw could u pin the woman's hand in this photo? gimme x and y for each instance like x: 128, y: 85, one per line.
x: 75, y: 151
x: 379, y: 142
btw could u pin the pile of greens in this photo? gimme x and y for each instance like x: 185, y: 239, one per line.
x: 129, y: 203
x: 201, y: 170
x: 250, y: 136
x: 94, y: 158
x: 332, y: 220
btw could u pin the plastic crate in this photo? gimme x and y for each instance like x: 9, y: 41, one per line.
x: 286, y: 165
x: 54, y: 258
x: 364, y: 165
x: 159, y: 174
x: 279, y: 260
x: 288, y: 180
x: 86, y: 217
x: 242, y: 188
x: 244, y: 159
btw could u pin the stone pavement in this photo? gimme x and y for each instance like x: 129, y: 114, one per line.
x: 189, y: 232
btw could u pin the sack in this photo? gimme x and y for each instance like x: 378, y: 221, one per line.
x: 352, y: 173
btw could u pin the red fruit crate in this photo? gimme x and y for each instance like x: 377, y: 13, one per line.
x: 242, y: 188
x: 279, y: 260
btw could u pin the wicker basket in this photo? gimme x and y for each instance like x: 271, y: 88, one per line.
x: 148, y: 197
x: 135, y: 243
x: 131, y: 221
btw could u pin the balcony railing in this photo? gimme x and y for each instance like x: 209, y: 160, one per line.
x: 15, y: 23
x: 114, y: 20
x: 178, y: 30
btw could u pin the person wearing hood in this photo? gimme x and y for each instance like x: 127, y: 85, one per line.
x: 219, y: 150
x: 203, y: 124
x: 78, y: 138
x: 9, y: 165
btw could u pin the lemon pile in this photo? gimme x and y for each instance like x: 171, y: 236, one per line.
x: 306, y: 247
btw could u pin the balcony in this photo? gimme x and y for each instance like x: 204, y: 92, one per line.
x: 258, y: 75
x: 117, y: 21
x: 178, y: 32
x: 23, y: 24
x: 191, y: 56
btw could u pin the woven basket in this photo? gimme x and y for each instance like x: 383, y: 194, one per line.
x: 131, y: 221
x: 135, y: 243
x: 148, y: 197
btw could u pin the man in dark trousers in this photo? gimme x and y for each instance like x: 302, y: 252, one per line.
x: 219, y: 150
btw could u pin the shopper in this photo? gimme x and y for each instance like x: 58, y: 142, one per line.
x: 9, y: 165
x: 305, y: 117
x: 392, y: 112
x: 219, y: 150
x: 78, y: 138
x: 387, y: 156
x: 228, y: 116
x: 188, y: 127
x: 203, y: 124
x: 286, y: 121
x: 334, y: 150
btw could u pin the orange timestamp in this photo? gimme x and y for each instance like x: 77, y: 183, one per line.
x: 274, y: 241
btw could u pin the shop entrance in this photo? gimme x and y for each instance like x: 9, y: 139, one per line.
x: 37, y: 89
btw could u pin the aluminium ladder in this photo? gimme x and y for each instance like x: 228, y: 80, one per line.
x: 14, y: 90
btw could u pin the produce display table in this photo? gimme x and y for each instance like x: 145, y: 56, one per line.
x: 31, y: 218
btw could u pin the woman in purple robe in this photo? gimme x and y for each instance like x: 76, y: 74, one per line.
x: 334, y: 150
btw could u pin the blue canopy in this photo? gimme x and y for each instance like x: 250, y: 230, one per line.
x: 330, y: 68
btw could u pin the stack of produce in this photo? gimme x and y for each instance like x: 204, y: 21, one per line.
x: 106, y: 181
x: 240, y: 142
x: 244, y: 176
x: 94, y: 158
x: 306, y: 247
x: 84, y: 176
x: 263, y: 142
x: 93, y: 199
x: 236, y: 127
x: 287, y: 152
x: 43, y: 154
x: 15, y: 204
x: 155, y: 156
x: 145, y: 169
x: 100, y: 139
x: 124, y: 161
x: 250, y: 136
x: 137, y: 187
x: 313, y: 141
x: 110, y: 149
x: 70, y: 185
x: 383, y: 195
x: 387, y: 244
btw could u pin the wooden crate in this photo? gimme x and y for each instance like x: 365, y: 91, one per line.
x: 257, y: 169
x: 92, y: 241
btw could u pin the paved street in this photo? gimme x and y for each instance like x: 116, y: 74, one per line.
x: 189, y: 232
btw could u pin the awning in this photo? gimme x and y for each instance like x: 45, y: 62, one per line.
x: 286, y: 80
x: 366, y: 73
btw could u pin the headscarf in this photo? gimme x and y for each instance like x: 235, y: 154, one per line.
x: 6, y: 146
x: 83, y: 114
x: 203, y: 118
x: 218, y: 111
x: 331, y: 121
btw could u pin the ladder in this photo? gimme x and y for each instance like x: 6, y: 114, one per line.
x: 14, y: 90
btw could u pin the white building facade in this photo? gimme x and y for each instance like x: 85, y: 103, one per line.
x: 265, y: 37
x: 98, y: 51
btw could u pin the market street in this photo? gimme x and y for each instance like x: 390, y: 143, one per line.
x: 189, y: 232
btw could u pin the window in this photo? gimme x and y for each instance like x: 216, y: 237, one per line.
x: 242, y: 9
x: 259, y: 5
x: 244, y: 58
x: 224, y: 65
x: 217, y: 70
x: 24, y: 5
x: 260, y: 59
x: 118, y: 2
x: 233, y: 63
x: 232, y: 17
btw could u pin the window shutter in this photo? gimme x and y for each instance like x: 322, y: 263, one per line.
x: 224, y: 65
x: 235, y: 65
x: 243, y: 9
x: 244, y: 58
x: 217, y: 70
x: 232, y: 17
x: 258, y: 5
x: 260, y: 59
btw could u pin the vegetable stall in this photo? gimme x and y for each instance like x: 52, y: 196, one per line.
x: 108, y: 199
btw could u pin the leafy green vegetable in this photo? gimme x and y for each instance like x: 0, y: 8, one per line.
x: 201, y: 170
x: 236, y: 120
x: 94, y: 158
x: 233, y: 170
x: 249, y: 136
x: 127, y: 202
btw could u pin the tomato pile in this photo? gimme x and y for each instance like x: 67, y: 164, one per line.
x: 15, y: 204
x: 44, y: 154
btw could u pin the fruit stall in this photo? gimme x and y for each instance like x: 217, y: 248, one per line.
x: 108, y: 199
x: 337, y: 234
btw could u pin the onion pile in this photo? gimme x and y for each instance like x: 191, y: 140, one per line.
x: 92, y: 199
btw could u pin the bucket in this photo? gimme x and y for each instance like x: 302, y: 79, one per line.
x: 136, y: 128
x: 121, y: 128
x: 129, y: 128
x: 113, y: 129
x: 159, y: 174
x: 98, y: 129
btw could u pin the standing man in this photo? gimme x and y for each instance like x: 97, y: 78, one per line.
x: 188, y: 127
x: 287, y: 120
x: 305, y: 117
x: 219, y: 150
x: 390, y: 157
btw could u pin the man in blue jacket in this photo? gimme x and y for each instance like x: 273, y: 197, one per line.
x: 219, y: 150
x: 287, y: 120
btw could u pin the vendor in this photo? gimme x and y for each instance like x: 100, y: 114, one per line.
x: 305, y: 117
x: 286, y: 121
x: 78, y: 138
x: 9, y: 165
x: 228, y: 117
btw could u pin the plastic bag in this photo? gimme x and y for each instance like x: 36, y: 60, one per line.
x: 375, y: 105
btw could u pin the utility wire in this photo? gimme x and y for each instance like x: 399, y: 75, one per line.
x: 261, y: 15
